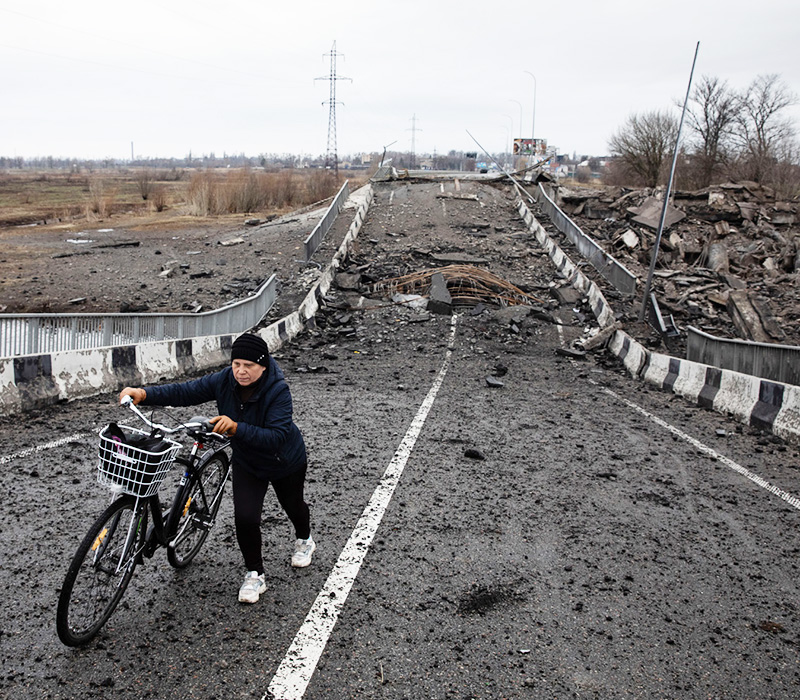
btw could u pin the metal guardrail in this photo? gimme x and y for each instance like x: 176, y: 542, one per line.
x: 617, y: 274
x: 778, y: 363
x: 39, y: 334
x: 315, y: 238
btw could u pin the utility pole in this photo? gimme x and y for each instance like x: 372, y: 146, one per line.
x: 414, y: 131
x: 331, y: 156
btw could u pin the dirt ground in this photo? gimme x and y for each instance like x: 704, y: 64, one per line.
x: 145, y: 264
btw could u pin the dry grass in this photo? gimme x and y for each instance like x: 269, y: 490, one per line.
x: 35, y: 197
x: 245, y: 191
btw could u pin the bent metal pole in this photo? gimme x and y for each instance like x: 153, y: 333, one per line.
x: 648, y: 284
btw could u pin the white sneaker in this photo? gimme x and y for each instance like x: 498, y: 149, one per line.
x: 303, y: 549
x: 254, y: 585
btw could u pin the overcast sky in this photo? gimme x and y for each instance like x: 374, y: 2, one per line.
x: 87, y: 78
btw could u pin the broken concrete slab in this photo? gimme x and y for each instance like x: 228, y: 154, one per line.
x: 753, y: 318
x: 566, y: 296
x: 439, y: 299
x: 348, y: 281
x: 649, y: 213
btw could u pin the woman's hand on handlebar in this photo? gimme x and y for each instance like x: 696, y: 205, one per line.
x: 137, y: 394
x: 224, y: 425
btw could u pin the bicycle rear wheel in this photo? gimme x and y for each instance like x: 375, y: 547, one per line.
x: 100, y: 571
x: 194, y: 509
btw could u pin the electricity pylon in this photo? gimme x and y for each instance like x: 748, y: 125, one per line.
x: 331, y: 156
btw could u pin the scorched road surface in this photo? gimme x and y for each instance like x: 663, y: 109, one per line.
x: 570, y: 534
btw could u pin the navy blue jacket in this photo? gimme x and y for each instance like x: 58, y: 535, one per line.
x: 267, y: 442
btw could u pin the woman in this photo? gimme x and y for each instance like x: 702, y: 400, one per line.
x: 255, y: 410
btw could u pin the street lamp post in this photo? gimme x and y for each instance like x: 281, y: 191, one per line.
x: 533, y: 123
x: 511, y: 136
x: 520, y: 115
x: 505, y: 128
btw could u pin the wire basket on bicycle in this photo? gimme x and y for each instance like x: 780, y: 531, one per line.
x: 134, y: 461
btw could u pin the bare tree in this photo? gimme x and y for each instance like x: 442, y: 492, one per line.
x: 711, y: 117
x: 643, y: 145
x: 765, y: 136
x: 144, y: 179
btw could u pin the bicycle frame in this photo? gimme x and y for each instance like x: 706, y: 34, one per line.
x: 158, y: 534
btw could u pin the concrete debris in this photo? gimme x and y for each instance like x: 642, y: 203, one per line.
x: 753, y: 317
x: 572, y: 353
x: 649, y: 214
x: 600, y: 339
x: 232, y: 241
x: 566, y: 296
x: 458, y: 259
x: 457, y: 195
x: 630, y: 239
x: 472, y: 453
x: 733, y: 237
x: 413, y: 301
x: 117, y: 244
x: 347, y: 281
x: 439, y: 299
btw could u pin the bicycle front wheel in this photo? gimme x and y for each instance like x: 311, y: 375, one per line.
x: 194, y: 509
x: 100, y: 571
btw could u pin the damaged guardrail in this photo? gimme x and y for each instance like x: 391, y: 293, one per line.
x: 779, y: 363
x: 315, y: 238
x: 36, y: 334
x: 615, y: 272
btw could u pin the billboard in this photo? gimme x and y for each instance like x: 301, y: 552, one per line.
x: 522, y: 147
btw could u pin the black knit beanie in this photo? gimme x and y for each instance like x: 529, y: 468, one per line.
x: 251, y: 348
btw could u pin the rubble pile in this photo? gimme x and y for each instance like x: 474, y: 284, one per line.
x: 729, y: 259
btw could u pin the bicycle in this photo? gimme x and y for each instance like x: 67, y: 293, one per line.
x: 120, y: 539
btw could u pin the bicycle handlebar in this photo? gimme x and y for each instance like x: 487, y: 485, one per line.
x: 200, y: 424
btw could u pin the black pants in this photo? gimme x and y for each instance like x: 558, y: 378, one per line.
x: 248, y: 502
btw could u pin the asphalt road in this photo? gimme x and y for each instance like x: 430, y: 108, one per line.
x: 612, y: 541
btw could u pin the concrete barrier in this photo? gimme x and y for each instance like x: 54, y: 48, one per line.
x: 35, y: 381
x: 758, y: 402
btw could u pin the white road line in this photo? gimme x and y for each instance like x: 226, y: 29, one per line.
x: 793, y: 501
x: 39, y: 448
x: 294, y: 673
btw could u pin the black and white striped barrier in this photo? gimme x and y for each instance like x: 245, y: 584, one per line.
x: 35, y: 381
x: 600, y: 307
x: 764, y: 404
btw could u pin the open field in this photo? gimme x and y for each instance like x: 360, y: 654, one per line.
x: 47, y: 197
x: 60, y: 235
